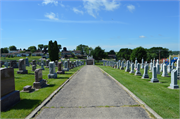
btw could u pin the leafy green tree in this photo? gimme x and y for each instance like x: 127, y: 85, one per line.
x: 40, y: 46
x: 59, y: 47
x: 139, y: 53
x: 53, y: 51
x: 98, y: 53
x: 124, y: 53
x: 4, y: 50
x: 56, y: 50
x: 12, y: 47
x: 32, y: 48
x: 83, y: 47
x: 111, y: 52
x: 45, y: 48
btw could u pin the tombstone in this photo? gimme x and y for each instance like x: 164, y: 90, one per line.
x: 122, y: 65
x: 103, y: 63
x: 151, y: 66
x: 132, y: 68
x: 34, y: 62
x: 117, y: 65
x: 9, y: 96
x: 33, y: 67
x: 27, y: 62
x: 52, y: 73
x: 169, y: 69
x: 47, y: 63
x: 173, y: 65
x: 128, y: 67
x: 135, y: 63
x: 39, y: 82
x: 70, y: 65
x: 6, y: 64
x: 42, y: 66
x: 158, y: 69
x: 154, y: 75
x: 164, y: 74
x: 56, y: 63
x: 154, y: 62
x: 178, y: 68
x: 22, y: 67
x: 173, y: 84
x: 161, y: 70
x: 138, y: 73
x: 74, y: 63
x: 66, y: 66
x: 145, y: 75
x: 13, y: 64
x: 142, y: 64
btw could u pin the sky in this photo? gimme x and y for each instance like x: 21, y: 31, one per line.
x: 110, y: 24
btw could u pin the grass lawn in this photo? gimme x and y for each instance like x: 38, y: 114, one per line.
x: 30, y: 58
x: 161, y: 99
x: 29, y: 101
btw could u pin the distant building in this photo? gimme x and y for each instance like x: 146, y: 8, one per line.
x: 112, y: 56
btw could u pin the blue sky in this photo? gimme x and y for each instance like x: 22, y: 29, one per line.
x: 110, y: 24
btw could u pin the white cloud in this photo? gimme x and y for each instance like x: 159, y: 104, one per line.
x: 61, y: 4
x: 96, y: 5
x: 131, y: 8
x: 50, y: 1
x: 77, y: 11
x: 142, y: 36
x: 51, y: 16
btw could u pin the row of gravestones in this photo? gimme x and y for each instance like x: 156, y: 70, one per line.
x: 154, y: 67
x: 10, y: 96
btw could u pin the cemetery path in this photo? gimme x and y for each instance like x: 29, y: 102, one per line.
x: 92, y: 94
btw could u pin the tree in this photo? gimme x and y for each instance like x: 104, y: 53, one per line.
x: 40, y: 46
x: 59, y: 47
x: 32, y: 48
x: 64, y: 49
x: 138, y: 53
x: 45, y: 48
x: 111, y: 52
x: 53, y: 51
x: 12, y: 47
x: 4, y: 50
x: 124, y: 53
x: 83, y: 49
x: 56, y: 51
x: 98, y: 53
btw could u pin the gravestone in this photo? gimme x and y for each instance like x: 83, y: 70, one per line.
x: 164, y: 74
x: 173, y: 65
x: 154, y: 62
x: 13, y: 64
x: 9, y: 96
x: 33, y: 67
x: 56, y: 63
x: 151, y: 66
x: 34, y: 62
x: 39, y: 82
x: 42, y: 66
x: 169, y: 68
x: 117, y: 65
x: 74, y: 63
x: 178, y: 68
x: 161, y: 70
x: 173, y: 84
x: 66, y: 66
x: 138, y: 73
x: 22, y: 67
x: 145, y: 75
x: 103, y: 63
x: 128, y: 67
x: 47, y: 63
x: 157, y: 66
x: 142, y: 64
x: 27, y: 62
x: 154, y: 75
x: 6, y: 64
x: 132, y: 68
x: 52, y: 73
x: 135, y: 63
x: 122, y: 65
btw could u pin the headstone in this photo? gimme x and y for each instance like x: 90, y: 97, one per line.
x: 52, y: 73
x: 135, y: 63
x: 161, y: 70
x: 74, y: 63
x: 138, y: 73
x: 154, y: 75
x: 56, y: 63
x: 27, y: 62
x: 6, y: 64
x: 154, y: 62
x: 122, y: 65
x: 173, y: 65
x: 27, y: 88
x: 34, y: 62
x: 42, y: 66
x: 158, y: 69
x: 22, y: 67
x: 173, y: 84
x: 132, y: 68
x: 169, y: 68
x: 39, y: 82
x: 47, y: 63
x: 13, y: 64
x: 145, y: 75
x: 33, y: 67
x: 164, y: 74
x: 151, y: 66
x: 178, y: 68
x: 66, y: 66
x: 142, y: 64
x: 9, y: 96
x: 128, y: 67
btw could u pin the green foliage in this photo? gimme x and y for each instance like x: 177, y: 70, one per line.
x: 59, y: 47
x: 98, y: 53
x: 124, y: 53
x: 83, y: 47
x: 22, y: 51
x: 111, y: 52
x: 4, y: 50
x: 53, y: 51
x: 174, y: 52
x: 45, y: 48
x: 138, y: 53
x: 41, y: 46
x: 12, y: 47
x: 32, y: 48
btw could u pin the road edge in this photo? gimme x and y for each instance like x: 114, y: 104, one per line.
x: 134, y: 96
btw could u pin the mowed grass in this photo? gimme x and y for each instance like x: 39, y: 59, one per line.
x: 157, y: 96
x: 29, y: 101
x: 30, y: 58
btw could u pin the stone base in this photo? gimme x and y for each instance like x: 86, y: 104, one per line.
x: 52, y: 75
x: 145, y: 77
x: 9, y: 100
x: 27, y: 88
x: 131, y: 72
x: 42, y: 68
x: 122, y: 68
x: 173, y: 87
x: 60, y: 72
x: 165, y: 75
x: 22, y: 72
x: 66, y: 69
x: 127, y: 70
x: 40, y: 84
x: 154, y: 80
x: 47, y: 66
x: 138, y: 74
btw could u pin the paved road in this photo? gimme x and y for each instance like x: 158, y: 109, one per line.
x: 92, y: 94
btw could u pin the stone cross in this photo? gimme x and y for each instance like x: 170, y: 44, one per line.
x: 154, y: 75
x: 145, y: 75
x: 132, y: 68
x: 52, y: 73
x: 164, y: 74
x: 173, y: 84
x: 128, y: 67
x: 138, y: 73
